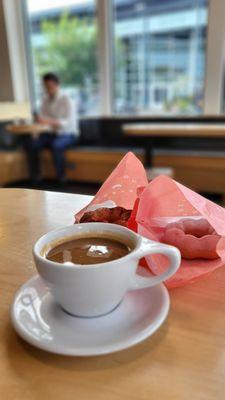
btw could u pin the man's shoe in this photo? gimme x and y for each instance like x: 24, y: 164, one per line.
x: 63, y: 181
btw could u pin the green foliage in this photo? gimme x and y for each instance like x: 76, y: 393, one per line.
x: 69, y: 49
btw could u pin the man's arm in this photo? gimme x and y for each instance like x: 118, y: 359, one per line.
x: 53, y: 123
x: 41, y: 118
x: 57, y: 123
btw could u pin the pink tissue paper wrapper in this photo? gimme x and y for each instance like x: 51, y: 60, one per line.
x: 165, y: 200
x: 161, y: 201
x: 121, y: 185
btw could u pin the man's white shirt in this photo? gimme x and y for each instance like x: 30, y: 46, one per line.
x: 62, y: 109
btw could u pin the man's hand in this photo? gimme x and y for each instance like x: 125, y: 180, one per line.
x: 41, y: 120
x: 53, y: 123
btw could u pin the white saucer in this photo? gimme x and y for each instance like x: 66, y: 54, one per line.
x: 42, y: 323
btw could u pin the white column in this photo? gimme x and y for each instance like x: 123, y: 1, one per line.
x: 215, y: 57
x: 105, y: 48
x: 17, y: 54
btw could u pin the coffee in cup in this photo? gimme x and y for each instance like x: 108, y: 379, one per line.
x: 88, y: 250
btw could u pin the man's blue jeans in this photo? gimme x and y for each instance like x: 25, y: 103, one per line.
x: 57, y: 144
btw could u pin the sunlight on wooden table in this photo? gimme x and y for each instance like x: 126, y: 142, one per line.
x: 184, y: 360
x: 12, y: 110
x: 168, y: 129
x: 27, y: 129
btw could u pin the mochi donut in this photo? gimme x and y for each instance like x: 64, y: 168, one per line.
x: 114, y: 215
x: 194, y: 238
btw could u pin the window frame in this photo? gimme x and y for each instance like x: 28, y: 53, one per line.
x: 23, y: 73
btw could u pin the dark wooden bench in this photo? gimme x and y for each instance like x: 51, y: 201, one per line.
x: 203, y: 171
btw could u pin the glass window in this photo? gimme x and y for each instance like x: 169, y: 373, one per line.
x: 159, y: 53
x: 63, y: 38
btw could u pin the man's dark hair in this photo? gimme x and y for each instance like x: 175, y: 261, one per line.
x: 50, y: 76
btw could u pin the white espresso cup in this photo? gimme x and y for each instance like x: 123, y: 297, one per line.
x: 93, y: 290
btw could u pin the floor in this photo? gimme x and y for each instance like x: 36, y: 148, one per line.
x: 53, y: 185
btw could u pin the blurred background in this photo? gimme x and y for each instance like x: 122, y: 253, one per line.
x: 145, y: 76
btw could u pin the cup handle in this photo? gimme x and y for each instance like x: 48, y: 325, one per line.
x: 148, y: 247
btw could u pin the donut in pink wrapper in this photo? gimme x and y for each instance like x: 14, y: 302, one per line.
x: 194, y: 238
x: 155, y: 206
x: 165, y: 201
x: 121, y: 186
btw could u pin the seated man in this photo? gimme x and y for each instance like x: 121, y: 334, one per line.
x: 58, y: 113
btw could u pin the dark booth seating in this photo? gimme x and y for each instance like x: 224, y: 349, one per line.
x: 197, y: 162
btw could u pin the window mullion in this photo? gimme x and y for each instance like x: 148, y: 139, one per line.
x: 104, y: 16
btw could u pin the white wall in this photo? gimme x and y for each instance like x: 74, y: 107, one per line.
x: 16, y: 46
x: 6, y: 92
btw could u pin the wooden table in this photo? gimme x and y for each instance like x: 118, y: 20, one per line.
x: 175, y: 130
x: 148, y: 131
x: 184, y: 360
x: 27, y: 129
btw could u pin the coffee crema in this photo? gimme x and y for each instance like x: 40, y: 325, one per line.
x: 88, y: 250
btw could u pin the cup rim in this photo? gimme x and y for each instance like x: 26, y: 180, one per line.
x: 103, y: 225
